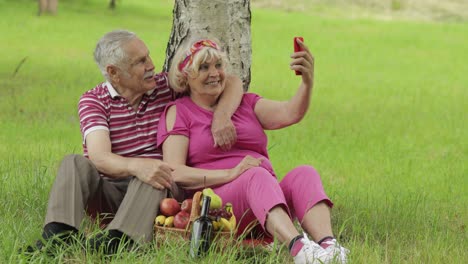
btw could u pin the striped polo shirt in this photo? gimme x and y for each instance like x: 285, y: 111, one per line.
x: 132, y: 134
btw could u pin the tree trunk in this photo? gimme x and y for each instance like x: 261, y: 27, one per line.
x: 112, y: 4
x: 47, y: 6
x: 228, y: 21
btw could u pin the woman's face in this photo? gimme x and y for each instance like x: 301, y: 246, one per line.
x: 210, y: 79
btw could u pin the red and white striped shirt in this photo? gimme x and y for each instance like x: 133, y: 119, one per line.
x: 132, y: 134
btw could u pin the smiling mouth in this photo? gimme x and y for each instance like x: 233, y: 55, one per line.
x: 213, y: 83
x: 148, y: 75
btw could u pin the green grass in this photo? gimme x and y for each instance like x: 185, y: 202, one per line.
x: 387, y: 128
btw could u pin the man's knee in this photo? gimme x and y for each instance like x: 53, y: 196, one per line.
x: 75, y: 165
x: 76, y: 160
x: 140, y: 187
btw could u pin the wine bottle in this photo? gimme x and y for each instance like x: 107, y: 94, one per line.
x: 202, y: 229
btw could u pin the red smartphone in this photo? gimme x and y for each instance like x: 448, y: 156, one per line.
x: 298, y: 48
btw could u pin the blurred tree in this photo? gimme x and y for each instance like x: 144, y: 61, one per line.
x: 228, y: 21
x: 47, y: 6
x: 112, y: 4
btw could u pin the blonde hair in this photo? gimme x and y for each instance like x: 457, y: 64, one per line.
x: 178, y: 76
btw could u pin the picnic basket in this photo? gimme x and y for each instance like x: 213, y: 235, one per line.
x: 170, y: 233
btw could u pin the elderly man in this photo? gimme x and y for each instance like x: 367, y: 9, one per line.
x: 121, y: 173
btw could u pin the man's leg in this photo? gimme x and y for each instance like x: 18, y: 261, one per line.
x: 77, y: 181
x: 136, y: 214
x: 106, y: 201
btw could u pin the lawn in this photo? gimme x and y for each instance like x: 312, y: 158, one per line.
x: 387, y: 128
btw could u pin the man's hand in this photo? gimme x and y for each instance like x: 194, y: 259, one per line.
x: 223, y: 131
x: 153, y: 172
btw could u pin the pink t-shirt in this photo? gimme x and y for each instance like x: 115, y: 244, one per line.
x: 194, y: 122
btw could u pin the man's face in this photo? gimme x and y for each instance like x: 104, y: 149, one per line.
x: 137, y: 72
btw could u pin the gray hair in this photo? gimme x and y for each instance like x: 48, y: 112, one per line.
x: 109, y: 49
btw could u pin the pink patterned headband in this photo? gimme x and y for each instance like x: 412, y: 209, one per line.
x: 196, y: 47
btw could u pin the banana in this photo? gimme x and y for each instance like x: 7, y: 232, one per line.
x: 232, y: 220
x: 228, y: 207
x: 169, y: 222
x: 160, y: 219
x: 225, y: 225
x: 216, y: 225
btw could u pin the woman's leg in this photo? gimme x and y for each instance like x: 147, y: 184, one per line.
x: 307, y: 201
x: 256, y: 195
x: 317, y: 223
x: 280, y: 225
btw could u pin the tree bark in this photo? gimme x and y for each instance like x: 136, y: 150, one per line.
x: 47, y: 6
x: 228, y: 21
x: 112, y: 4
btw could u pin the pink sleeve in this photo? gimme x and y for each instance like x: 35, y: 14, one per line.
x: 181, y: 126
x: 251, y: 99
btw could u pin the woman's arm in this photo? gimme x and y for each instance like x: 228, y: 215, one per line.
x: 278, y: 114
x: 175, y: 150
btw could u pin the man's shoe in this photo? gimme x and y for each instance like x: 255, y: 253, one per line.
x: 109, y: 242
x: 51, y: 244
x: 31, y: 249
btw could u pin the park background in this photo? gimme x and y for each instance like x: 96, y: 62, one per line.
x: 387, y: 128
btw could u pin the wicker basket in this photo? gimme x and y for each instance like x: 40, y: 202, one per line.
x: 177, y: 233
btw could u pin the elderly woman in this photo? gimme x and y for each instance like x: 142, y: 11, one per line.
x: 244, y: 175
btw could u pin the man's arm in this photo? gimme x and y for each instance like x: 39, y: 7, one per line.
x: 224, y: 132
x: 151, y: 171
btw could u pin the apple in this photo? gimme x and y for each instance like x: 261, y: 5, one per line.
x: 169, y: 207
x: 181, y: 219
x: 187, y: 205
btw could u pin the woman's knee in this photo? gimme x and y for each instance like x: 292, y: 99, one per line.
x: 307, y: 170
x: 247, y: 183
x: 248, y: 180
x: 303, y: 174
x: 257, y: 175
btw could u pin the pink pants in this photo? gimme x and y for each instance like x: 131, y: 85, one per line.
x: 255, y: 192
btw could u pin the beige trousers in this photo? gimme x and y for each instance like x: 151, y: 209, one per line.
x: 78, y: 187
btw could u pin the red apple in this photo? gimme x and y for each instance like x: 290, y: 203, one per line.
x: 181, y: 219
x: 187, y: 205
x: 169, y: 207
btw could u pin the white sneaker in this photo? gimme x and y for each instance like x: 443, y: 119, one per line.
x: 311, y: 253
x: 336, y: 253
